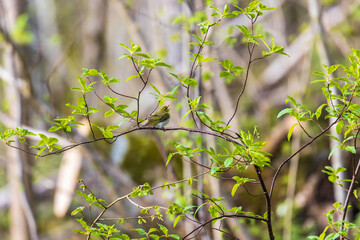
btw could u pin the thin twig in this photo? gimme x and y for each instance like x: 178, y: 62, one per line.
x: 222, y: 217
x: 250, y: 61
x: 88, y: 117
x: 127, y: 196
x: 349, y: 192
x: 308, y: 143
x: 268, y: 202
x: 141, y: 128
x: 120, y: 94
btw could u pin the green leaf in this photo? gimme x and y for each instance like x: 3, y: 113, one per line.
x: 163, y: 229
x: 157, y: 90
x: 125, y: 56
x: 190, y: 81
x: 235, y: 187
x: 175, y: 76
x: 43, y: 137
x: 162, y: 64
x: 170, y: 157
x: 227, y: 64
x: 228, y: 161
x: 190, y: 181
x: 177, y: 219
x: 54, y: 129
x: 291, y: 131
x: 187, y: 113
x: 356, y: 194
x: 174, y: 236
x: 332, y: 68
x: 214, y: 170
x: 131, y: 77
x: 285, y: 111
x: 52, y: 140
x: 323, y: 234
x: 77, y: 210
x: 174, y: 89
x: 140, y: 231
x: 237, y: 70
x: 112, y: 128
x: 223, y: 74
x: 253, y: 4
x: 197, y: 37
x: 136, y: 48
x: 121, y: 221
x: 279, y: 50
x: 203, y: 105
x: 207, y: 59
x: 142, y: 55
x: 320, y: 74
x: 114, y: 80
x: 216, y: 9
x: 109, y: 113
x: 332, y: 236
x: 244, y: 30
x: 319, y: 110
x: 350, y: 149
x: 292, y: 100
x: 333, y: 150
x: 267, y: 45
x: 126, y: 47
x: 335, y: 138
x: 76, y: 89
x: 108, y: 135
x: 226, y: 8
x: 339, y: 127
x: 339, y: 170
x: 264, y: 7
x: 90, y: 72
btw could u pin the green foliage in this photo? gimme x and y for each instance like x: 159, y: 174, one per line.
x: 141, y: 191
x: 141, y: 59
x: 239, y: 181
x: 21, y: 134
x: 161, y: 97
x: 46, y: 143
x: 64, y: 124
x: 154, y: 233
x: 20, y: 33
x: 232, y: 72
x: 183, y: 151
x: 251, y: 151
x: 339, y: 228
x: 85, y: 88
x: 333, y: 175
x: 273, y: 49
x: 339, y: 93
x: 108, y: 131
x: 82, y: 108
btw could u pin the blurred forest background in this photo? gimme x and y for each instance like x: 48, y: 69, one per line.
x: 44, y: 44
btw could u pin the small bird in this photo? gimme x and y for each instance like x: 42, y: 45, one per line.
x: 159, y: 119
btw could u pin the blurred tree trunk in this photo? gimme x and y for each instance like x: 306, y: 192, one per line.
x: 323, y: 49
x: 93, y: 56
x: 94, y: 27
x: 22, y: 226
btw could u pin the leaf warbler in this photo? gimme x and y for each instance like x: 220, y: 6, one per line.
x: 159, y: 119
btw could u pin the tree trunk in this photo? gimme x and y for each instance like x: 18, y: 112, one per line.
x: 22, y: 225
